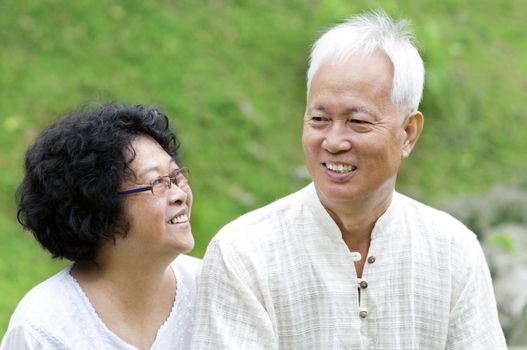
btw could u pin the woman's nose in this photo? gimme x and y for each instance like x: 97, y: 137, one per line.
x: 176, y: 195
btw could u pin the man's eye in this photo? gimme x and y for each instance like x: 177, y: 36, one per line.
x: 319, y: 119
x: 360, y: 125
x: 359, y: 121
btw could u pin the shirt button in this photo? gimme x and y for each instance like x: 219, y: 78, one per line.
x: 363, y: 313
x: 363, y: 284
x: 371, y: 259
x: 355, y: 256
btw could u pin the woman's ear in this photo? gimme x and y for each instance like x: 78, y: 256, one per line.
x: 413, y: 125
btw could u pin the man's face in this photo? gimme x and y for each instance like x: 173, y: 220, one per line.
x: 353, y: 135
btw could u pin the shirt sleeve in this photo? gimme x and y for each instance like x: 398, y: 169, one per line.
x: 23, y: 338
x: 474, y: 320
x: 228, y: 313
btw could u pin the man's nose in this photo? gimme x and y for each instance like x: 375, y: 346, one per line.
x: 337, y: 138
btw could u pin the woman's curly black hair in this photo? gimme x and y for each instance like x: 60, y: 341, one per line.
x: 68, y: 197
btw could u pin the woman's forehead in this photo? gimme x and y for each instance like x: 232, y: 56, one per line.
x: 149, y: 156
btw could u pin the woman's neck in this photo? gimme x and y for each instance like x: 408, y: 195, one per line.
x: 133, y: 298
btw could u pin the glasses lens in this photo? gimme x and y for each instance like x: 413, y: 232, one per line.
x: 163, y: 183
x: 160, y: 186
x: 179, y: 178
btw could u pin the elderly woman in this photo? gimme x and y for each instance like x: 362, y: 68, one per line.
x: 104, y: 188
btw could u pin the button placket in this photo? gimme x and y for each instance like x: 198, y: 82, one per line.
x: 355, y: 256
x: 362, y: 283
x: 363, y: 312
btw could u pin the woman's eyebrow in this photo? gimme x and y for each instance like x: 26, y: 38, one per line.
x: 156, y: 168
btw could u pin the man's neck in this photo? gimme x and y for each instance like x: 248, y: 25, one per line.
x: 356, y: 224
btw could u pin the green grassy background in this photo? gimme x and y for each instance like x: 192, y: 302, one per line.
x: 231, y: 74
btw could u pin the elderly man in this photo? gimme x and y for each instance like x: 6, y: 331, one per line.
x: 347, y: 262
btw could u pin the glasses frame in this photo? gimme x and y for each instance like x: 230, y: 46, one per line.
x: 172, y: 177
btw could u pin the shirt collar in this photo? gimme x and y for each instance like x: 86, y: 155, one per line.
x: 385, y: 223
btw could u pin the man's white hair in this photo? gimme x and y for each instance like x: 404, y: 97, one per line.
x: 365, y: 34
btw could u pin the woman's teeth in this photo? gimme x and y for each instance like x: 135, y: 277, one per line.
x: 179, y: 219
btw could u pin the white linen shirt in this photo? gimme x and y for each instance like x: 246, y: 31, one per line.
x: 57, y: 315
x: 281, y: 277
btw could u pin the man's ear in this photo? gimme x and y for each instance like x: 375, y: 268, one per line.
x: 413, y: 125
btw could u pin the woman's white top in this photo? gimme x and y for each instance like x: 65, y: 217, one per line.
x: 56, y: 314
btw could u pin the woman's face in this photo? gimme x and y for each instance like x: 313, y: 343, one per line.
x: 159, y: 224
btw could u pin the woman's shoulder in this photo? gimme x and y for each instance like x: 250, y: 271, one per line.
x: 43, y: 308
x: 187, y: 270
x: 187, y: 265
x: 43, y: 298
x: 177, y: 330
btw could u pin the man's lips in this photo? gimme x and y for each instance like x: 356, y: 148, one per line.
x: 341, y: 168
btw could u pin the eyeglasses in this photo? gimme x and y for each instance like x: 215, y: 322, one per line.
x: 159, y: 186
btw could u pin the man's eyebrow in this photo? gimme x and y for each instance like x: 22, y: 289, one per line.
x: 352, y: 110
x: 316, y: 108
x: 362, y: 109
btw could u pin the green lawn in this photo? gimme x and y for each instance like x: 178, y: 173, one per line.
x: 231, y: 74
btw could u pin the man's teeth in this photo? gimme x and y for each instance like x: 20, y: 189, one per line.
x: 340, y: 168
x: 179, y: 219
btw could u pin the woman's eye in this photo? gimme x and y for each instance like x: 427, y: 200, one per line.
x: 175, y: 178
x: 157, y: 181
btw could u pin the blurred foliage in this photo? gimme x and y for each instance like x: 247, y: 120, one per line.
x: 503, y: 240
x: 231, y: 74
